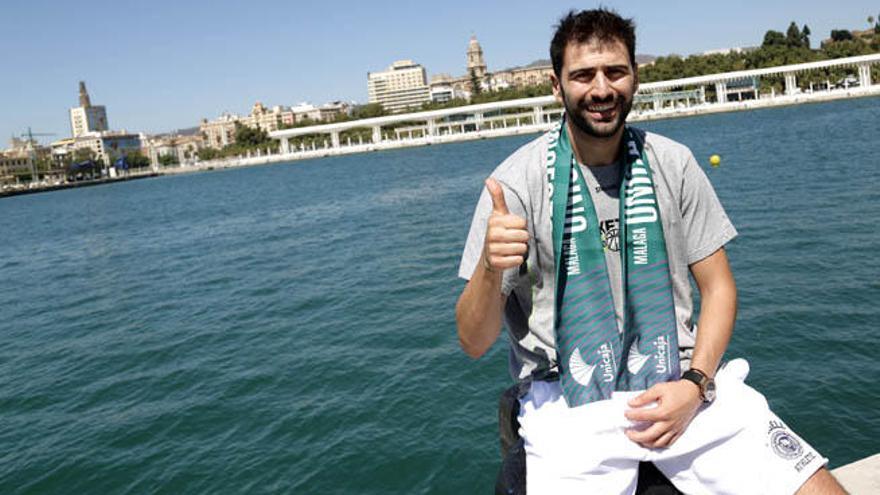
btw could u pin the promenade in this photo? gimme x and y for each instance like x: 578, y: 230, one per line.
x: 469, y: 129
x: 733, y: 91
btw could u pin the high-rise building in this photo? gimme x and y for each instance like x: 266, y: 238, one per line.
x: 87, y: 118
x: 402, y: 86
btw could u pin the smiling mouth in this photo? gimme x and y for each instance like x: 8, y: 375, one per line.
x: 602, y: 112
x: 602, y: 108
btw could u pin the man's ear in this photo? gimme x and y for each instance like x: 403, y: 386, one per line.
x: 557, y: 88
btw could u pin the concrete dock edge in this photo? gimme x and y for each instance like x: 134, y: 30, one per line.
x: 860, y: 477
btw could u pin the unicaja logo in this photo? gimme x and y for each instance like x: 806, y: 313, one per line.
x: 661, y: 353
x: 606, y: 352
x: 641, y: 205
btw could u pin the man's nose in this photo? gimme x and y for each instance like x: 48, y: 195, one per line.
x: 601, y: 87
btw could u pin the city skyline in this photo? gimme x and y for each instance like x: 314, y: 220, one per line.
x: 162, y: 67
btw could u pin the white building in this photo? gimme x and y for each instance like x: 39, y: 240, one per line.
x: 15, y: 163
x: 445, y: 88
x: 220, y: 132
x: 109, y: 145
x: 183, y: 146
x: 727, y: 51
x: 401, y: 87
x: 327, y: 112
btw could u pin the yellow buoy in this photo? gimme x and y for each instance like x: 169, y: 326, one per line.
x: 715, y: 160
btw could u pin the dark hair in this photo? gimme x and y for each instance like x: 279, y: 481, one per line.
x: 603, y: 24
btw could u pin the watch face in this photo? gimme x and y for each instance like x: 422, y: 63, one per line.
x: 709, y: 393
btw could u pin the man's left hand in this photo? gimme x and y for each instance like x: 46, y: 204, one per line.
x: 677, y: 403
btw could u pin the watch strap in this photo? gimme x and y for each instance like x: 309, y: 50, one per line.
x: 700, y: 378
x: 695, y: 376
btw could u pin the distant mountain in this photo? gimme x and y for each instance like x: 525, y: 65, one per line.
x: 537, y: 63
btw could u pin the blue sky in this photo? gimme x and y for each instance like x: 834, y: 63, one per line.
x: 163, y: 65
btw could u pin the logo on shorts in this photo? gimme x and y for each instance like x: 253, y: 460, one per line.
x: 808, y: 458
x: 785, y: 444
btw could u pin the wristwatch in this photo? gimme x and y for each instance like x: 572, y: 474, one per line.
x: 706, y: 384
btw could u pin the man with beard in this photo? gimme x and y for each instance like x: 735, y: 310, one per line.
x: 583, y: 241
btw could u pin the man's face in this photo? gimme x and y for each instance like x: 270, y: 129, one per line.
x: 596, y: 86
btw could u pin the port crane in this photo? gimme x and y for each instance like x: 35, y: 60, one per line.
x: 31, y: 147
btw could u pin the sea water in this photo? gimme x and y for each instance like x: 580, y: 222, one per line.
x: 290, y: 328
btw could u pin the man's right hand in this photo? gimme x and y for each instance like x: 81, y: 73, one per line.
x: 507, y: 235
x: 478, y: 312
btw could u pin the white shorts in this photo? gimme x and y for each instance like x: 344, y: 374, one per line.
x: 735, y: 445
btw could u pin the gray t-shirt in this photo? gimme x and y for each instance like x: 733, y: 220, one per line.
x: 694, y: 226
x: 604, y: 186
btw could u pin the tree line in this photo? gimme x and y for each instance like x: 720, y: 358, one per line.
x: 777, y: 48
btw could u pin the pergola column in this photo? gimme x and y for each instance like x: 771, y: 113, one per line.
x: 538, y: 113
x: 865, y: 75
x: 790, y: 83
x: 721, y: 91
x: 285, y: 146
x: 154, y: 158
x: 334, y: 139
x: 377, y: 134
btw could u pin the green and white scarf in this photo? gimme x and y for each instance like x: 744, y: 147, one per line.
x: 595, y: 358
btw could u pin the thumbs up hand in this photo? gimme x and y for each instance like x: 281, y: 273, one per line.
x: 507, y: 236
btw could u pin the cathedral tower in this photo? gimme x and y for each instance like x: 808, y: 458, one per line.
x: 475, y: 62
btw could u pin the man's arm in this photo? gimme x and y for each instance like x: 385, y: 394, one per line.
x: 678, y: 401
x: 478, y: 312
x: 479, y: 308
x: 717, y: 310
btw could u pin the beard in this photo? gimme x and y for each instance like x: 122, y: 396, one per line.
x: 607, y: 129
